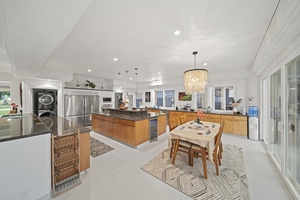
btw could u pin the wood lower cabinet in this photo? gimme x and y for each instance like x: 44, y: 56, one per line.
x: 161, y: 124
x: 84, y: 151
x: 126, y: 131
x: 232, y: 124
x: 235, y: 125
x: 193, y: 116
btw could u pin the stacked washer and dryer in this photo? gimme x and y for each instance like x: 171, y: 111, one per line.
x: 45, y: 102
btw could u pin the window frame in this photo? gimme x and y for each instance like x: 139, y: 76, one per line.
x: 223, y: 86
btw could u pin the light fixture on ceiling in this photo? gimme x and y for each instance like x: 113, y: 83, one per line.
x: 136, y: 92
x: 130, y: 78
x: 195, y: 80
x: 204, y: 64
x: 177, y: 32
x: 120, y: 85
x: 126, y: 97
x: 115, y: 59
x: 89, y: 70
x: 158, y: 72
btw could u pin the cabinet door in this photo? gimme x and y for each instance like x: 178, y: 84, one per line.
x: 130, y: 135
x: 228, y: 124
x: 240, y: 126
x: 161, y: 123
x: 84, y: 151
x: 191, y: 116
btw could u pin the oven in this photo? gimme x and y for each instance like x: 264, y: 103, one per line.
x: 106, y: 99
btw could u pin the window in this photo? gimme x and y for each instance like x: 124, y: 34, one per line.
x: 222, y: 97
x: 159, y: 98
x: 4, y: 100
x: 169, y: 98
x: 200, y: 100
x: 138, y: 99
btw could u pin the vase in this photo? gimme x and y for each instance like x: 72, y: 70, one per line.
x: 15, y: 109
x: 198, y: 120
x: 234, y: 110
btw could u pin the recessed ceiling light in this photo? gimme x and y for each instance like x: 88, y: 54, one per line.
x: 204, y: 63
x: 177, y: 33
x: 115, y: 59
x: 130, y: 78
x: 89, y: 70
x: 158, y: 72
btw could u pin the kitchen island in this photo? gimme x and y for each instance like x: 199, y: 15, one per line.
x: 25, y: 154
x: 131, y: 127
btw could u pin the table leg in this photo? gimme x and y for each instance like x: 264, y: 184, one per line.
x: 203, y: 155
x: 175, y: 149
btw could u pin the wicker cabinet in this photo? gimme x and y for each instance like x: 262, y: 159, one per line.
x: 65, y: 162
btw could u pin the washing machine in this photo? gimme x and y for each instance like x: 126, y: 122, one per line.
x: 46, y: 113
x: 46, y: 100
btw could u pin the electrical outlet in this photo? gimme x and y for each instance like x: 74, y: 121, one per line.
x: 24, y: 194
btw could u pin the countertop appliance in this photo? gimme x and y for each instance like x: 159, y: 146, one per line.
x: 79, y: 109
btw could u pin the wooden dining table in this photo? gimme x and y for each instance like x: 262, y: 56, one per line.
x: 201, y: 134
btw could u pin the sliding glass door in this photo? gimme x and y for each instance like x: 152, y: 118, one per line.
x: 275, y: 130
x: 292, y: 147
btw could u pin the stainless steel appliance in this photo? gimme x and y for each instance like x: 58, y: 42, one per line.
x: 78, y: 109
x: 105, y: 108
x: 153, y: 129
x: 44, y: 102
x: 106, y: 99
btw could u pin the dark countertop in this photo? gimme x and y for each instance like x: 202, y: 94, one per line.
x: 214, y: 113
x: 14, y: 127
x: 133, y: 118
x: 60, y: 126
x: 21, y: 126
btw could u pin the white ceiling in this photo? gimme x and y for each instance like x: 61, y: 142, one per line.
x: 76, y: 35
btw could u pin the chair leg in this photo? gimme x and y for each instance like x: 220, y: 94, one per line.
x: 175, y: 151
x: 191, y: 158
x: 204, y: 161
x: 219, y: 157
x: 172, y: 146
x: 216, y: 163
x: 221, y: 149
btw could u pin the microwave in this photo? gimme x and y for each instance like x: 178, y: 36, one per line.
x: 106, y: 99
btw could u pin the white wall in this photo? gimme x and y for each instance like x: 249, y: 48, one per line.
x: 101, y: 83
x: 25, y: 168
x: 238, y: 78
x: 280, y: 46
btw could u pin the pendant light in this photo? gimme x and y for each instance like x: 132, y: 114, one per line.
x: 136, y: 92
x: 126, y: 100
x: 195, y: 80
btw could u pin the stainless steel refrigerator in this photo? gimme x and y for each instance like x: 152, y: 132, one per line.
x: 79, y: 109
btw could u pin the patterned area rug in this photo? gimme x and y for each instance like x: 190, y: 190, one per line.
x: 98, y: 148
x: 230, y: 184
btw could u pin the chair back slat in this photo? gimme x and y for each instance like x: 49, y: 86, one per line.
x: 172, y: 123
x: 219, y: 135
x: 183, y: 119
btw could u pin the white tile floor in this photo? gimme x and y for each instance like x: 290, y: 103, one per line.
x: 117, y: 175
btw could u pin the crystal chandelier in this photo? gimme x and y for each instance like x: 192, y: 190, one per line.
x: 195, y: 80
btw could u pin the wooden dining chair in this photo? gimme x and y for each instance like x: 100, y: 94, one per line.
x: 183, y: 119
x: 197, y: 151
x: 183, y: 146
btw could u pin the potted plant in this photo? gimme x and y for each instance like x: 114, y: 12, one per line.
x: 90, y: 84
